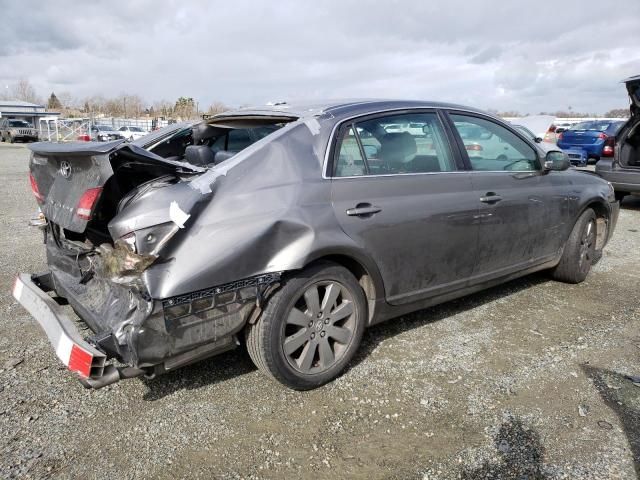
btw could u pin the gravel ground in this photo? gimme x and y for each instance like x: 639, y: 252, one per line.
x: 526, y: 380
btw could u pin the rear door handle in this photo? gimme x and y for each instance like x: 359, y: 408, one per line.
x: 490, y: 198
x: 363, y: 210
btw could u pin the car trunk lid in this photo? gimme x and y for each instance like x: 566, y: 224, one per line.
x: 633, y: 89
x: 581, y: 137
x: 67, y: 179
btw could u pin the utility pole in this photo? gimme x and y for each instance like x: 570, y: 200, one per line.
x: 124, y: 102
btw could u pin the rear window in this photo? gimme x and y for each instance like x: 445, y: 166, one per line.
x: 591, y: 125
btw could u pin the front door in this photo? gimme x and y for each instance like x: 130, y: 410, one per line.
x: 520, y: 218
x: 398, y: 193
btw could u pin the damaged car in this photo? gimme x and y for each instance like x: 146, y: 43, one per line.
x: 621, y: 165
x: 289, y: 230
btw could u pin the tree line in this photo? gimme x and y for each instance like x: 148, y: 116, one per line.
x: 123, y: 105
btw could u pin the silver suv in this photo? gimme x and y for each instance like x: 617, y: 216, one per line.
x: 12, y: 130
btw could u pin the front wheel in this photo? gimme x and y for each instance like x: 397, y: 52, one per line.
x: 310, y: 328
x: 579, y: 251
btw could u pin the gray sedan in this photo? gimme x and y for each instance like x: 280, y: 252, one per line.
x: 291, y: 229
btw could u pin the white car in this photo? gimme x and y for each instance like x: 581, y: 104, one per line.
x: 132, y: 133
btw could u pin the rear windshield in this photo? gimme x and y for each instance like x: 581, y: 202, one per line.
x: 591, y: 125
x: 19, y: 123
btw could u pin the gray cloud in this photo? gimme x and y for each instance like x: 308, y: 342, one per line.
x: 491, y: 54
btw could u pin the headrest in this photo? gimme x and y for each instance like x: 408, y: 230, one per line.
x: 398, y: 147
x: 199, y: 155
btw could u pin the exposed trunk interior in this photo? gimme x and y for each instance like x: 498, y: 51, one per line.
x: 629, y: 154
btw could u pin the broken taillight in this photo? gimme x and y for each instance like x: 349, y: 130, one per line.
x: 35, y: 189
x: 87, y: 202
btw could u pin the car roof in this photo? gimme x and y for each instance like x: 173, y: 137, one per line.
x: 337, y: 108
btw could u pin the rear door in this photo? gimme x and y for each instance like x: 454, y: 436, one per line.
x: 521, y: 215
x: 400, y: 195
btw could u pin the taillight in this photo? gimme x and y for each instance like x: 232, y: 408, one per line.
x: 474, y: 147
x: 84, y: 138
x: 35, y: 189
x: 560, y: 136
x: 87, y: 202
x: 609, y: 147
x: 602, y: 136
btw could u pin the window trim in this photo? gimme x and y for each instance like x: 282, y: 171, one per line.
x: 338, y: 129
x: 465, y: 156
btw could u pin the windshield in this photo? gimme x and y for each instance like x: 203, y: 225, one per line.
x: 135, y: 129
x: 102, y: 128
x: 19, y: 123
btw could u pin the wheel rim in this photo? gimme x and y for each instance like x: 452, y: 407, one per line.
x: 319, y: 327
x: 586, y: 245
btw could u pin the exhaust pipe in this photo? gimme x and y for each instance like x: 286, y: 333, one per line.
x: 111, y: 375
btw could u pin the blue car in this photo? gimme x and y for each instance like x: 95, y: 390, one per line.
x: 595, y: 137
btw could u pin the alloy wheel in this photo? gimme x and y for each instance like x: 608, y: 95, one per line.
x: 586, y: 245
x: 319, y: 327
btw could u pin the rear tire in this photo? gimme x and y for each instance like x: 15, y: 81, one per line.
x: 579, y: 251
x: 311, y: 327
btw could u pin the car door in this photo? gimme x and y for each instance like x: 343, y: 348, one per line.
x: 404, y: 200
x: 522, y: 208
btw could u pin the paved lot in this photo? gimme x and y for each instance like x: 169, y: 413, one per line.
x: 523, y: 379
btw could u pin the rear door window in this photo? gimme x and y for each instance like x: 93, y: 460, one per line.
x: 394, y: 144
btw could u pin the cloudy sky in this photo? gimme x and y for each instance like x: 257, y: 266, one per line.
x: 528, y: 56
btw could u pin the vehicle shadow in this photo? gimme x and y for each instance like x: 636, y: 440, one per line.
x: 383, y: 331
x: 630, y: 202
x: 623, y: 397
x: 210, y: 371
x: 520, y: 453
x: 237, y: 362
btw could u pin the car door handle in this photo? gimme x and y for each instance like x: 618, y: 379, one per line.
x: 363, y: 210
x: 490, y: 198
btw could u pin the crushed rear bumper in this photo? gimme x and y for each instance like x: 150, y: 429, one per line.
x: 78, y: 355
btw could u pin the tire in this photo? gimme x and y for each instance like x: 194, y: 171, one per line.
x: 579, y: 251
x: 298, y: 342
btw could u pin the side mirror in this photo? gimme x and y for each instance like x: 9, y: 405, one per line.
x: 556, y: 160
x: 537, y: 139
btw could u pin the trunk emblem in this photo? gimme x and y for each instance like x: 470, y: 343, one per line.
x: 65, y: 169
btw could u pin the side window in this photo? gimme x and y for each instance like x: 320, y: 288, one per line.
x: 350, y: 162
x: 491, y: 147
x: 394, y: 144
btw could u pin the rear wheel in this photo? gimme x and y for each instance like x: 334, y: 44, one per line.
x: 579, y: 251
x: 310, y: 328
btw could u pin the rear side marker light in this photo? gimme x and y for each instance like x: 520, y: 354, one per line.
x: 35, y: 189
x: 87, y: 202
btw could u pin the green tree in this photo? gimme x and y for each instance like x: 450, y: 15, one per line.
x: 54, y: 103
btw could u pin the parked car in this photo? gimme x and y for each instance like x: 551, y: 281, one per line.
x: 589, y: 136
x: 132, y: 133
x: 175, y: 247
x: 104, y: 133
x: 12, y: 130
x: 621, y: 164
